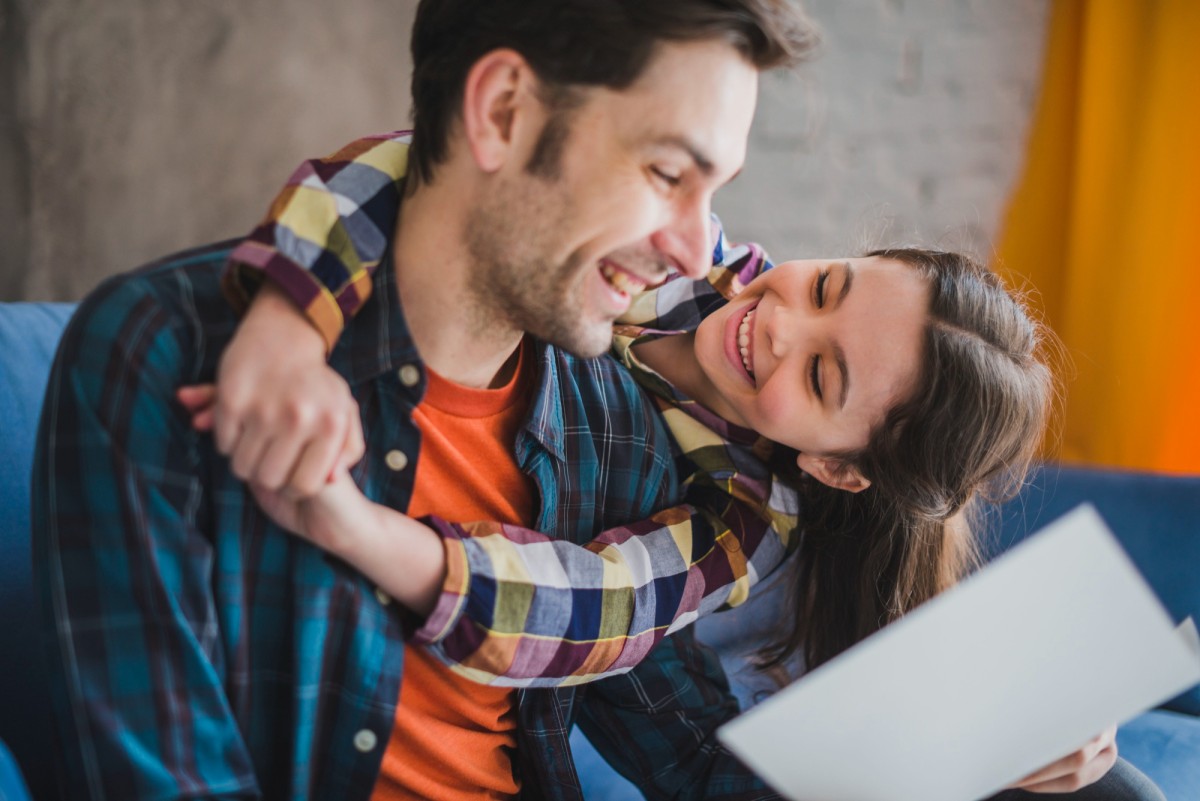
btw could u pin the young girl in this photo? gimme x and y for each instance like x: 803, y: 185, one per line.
x: 889, y: 392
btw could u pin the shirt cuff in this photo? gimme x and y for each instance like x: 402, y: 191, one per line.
x: 252, y: 262
x: 452, y: 602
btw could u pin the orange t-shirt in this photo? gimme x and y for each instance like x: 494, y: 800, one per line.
x: 454, y: 739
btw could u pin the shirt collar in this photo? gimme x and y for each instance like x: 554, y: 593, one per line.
x: 377, y: 340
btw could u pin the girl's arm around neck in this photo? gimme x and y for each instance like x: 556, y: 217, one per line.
x: 404, y: 557
x: 674, y: 358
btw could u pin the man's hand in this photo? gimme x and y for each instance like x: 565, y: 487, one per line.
x: 1086, y: 766
x: 284, y: 418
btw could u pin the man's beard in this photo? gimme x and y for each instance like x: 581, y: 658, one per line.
x: 518, y: 284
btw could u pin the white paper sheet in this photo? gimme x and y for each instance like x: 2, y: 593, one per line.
x: 1187, y: 630
x: 1018, y: 666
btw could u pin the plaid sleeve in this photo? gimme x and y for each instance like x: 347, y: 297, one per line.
x: 326, y: 232
x: 124, y: 573
x: 521, y: 609
x: 657, y: 725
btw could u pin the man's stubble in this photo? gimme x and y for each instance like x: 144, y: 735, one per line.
x: 522, y: 284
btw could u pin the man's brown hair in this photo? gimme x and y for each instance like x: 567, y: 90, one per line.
x: 577, y: 43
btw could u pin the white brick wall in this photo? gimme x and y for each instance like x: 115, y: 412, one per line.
x: 909, y: 127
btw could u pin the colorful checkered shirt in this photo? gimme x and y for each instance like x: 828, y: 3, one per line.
x: 520, y: 608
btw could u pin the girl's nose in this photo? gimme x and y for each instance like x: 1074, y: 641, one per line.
x: 784, y: 330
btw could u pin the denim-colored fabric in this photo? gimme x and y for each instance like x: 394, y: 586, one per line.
x: 29, y: 334
x: 1123, y: 783
x: 1166, y: 746
x: 12, y: 784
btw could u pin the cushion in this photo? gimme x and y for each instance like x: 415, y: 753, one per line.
x: 29, y: 334
x: 12, y: 785
x: 1166, y: 747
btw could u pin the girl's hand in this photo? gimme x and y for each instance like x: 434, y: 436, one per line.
x: 338, y: 518
x: 404, y: 557
x: 1086, y: 766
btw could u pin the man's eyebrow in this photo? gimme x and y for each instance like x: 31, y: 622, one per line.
x: 846, y: 282
x: 703, y: 162
x: 840, y: 357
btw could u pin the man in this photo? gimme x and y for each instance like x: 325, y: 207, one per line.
x: 565, y: 155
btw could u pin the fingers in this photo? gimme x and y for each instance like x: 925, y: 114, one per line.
x: 199, y: 401
x: 294, y: 448
x: 319, y: 460
x: 1076, y: 770
x: 1089, y: 773
x: 355, y: 446
x: 1072, y: 761
x: 248, y: 452
x: 197, y: 396
x: 203, y: 421
x: 278, y: 462
x: 230, y: 420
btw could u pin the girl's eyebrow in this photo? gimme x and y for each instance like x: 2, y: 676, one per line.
x: 840, y: 358
x: 847, y: 280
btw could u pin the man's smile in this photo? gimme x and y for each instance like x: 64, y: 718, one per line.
x: 621, y: 279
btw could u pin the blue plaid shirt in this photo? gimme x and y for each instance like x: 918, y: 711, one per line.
x: 199, y: 651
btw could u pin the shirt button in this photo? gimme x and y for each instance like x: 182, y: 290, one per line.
x: 410, y: 376
x: 365, y: 740
x: 397, y: 460
x: 383, y: 598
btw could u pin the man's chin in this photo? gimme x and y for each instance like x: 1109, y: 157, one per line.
x: 586, y: 343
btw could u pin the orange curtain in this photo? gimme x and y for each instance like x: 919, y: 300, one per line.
x: 1105, y: 224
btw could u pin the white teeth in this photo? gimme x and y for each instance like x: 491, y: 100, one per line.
x: 744, y: 340
x: 621, y: 280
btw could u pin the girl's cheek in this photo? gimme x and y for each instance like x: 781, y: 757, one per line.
x: 779, y: 410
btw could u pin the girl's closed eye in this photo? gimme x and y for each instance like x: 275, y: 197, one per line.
x: 819, y: 289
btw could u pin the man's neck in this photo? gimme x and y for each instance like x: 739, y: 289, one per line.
x: 433, y: 273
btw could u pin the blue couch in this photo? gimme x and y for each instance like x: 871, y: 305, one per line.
x: 1157, y: 518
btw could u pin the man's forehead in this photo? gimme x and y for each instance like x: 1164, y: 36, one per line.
x: 696, y: 98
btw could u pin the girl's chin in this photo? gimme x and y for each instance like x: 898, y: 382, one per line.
x: 706, y: 346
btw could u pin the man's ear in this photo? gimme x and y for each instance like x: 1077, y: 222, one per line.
x: 496, y: 102
x: 833, y: 473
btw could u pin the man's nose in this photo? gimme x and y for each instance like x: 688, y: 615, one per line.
x: 686, y: 240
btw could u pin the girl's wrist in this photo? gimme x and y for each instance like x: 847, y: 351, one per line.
x: 361, y: 542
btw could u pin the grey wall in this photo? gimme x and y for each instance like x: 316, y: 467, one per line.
x: 131, y: 129
x: 14, y: 157
x: 146, y: 126
x: 910, y: 127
